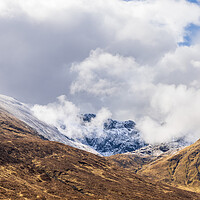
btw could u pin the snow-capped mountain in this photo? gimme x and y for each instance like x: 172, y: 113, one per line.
x: 24, y: 113
x: 123, y: 137
x: 159, y: 150
x: 118, y: 137
x: 114, y: 137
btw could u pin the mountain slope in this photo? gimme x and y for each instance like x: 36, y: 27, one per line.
x: 114, y: 137
x: 13, y: 128
x: 22, y: 111
x: 181, y: 169
x: 137, y: 159
x: 117, y: 137
x: 129, y: 161
x: 32, y: 168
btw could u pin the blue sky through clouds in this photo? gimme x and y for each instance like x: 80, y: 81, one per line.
x: 191, y: 31
x: 194, y: 1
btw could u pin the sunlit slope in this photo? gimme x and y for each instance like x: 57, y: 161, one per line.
x: 181, y: 169
x: 32, y: 168
x: 137, y: 159
x: 23, y: 112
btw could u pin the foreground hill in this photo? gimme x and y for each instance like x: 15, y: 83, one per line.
x: 23, y: 112
x: 32, y: 168
x: 181, y: 169
x: 116, y: 137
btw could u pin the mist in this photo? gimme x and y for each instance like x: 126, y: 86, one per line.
x: 67, y: 117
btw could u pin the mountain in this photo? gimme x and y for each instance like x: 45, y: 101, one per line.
x: 137, y: 159
x: 34, y: 168
x: 117, y: 137
x: 23, y: 112
x: 181, y: 169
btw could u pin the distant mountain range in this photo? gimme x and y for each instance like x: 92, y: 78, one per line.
x: 117, y: 137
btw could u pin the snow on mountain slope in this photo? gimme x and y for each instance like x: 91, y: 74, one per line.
x: 160, y: 150
x: 23, y: 112
x: 123, y: 137
x: 107, y: 138
x: 118, y: 137
x: 115, y: 137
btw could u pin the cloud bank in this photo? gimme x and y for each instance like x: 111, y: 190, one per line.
x: 67, y: 117
x: 162, y: 99
x: 127, y: 56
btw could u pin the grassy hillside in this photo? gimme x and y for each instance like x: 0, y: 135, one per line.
x: 32, y: 168
x: 129, y: 161
x: 181, y: 169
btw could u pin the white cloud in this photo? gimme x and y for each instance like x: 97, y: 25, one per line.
x: 105, y: 74
x: 164, y: 107
x: 66, y: 116
x: 60, y: 114
x: 120, y: 82
x: 115, y: 54
x: 97, y: 124
x: 195, y: 63
x: 179, y: 112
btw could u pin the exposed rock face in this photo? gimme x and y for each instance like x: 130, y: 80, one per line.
x: 88, y: 117
x: 118, y: 137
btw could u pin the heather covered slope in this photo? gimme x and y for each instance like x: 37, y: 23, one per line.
x: 33, y: 168
x: 23, y: 112
x: 129, y: 162
x: 13, y: 128
x: 181, y: 169
x: 137, y: 159
x: 109, y: 138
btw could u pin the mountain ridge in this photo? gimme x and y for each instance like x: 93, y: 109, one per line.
x: 33, y: 168
x: 23, y: 112
x: 181, y: 169
x: 116, y: 137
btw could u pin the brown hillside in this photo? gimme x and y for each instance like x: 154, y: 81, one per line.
x: 12, y: 128
x: 129, y: 161
x: 181, y: 169
x: 32, y: 168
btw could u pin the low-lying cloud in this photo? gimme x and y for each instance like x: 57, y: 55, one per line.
x: 67, y: 117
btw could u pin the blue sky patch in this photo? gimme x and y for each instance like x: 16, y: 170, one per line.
x: 194, y: 1
x: 191, y: 31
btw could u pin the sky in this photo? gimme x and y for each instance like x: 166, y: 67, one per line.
x: 134, y: 60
